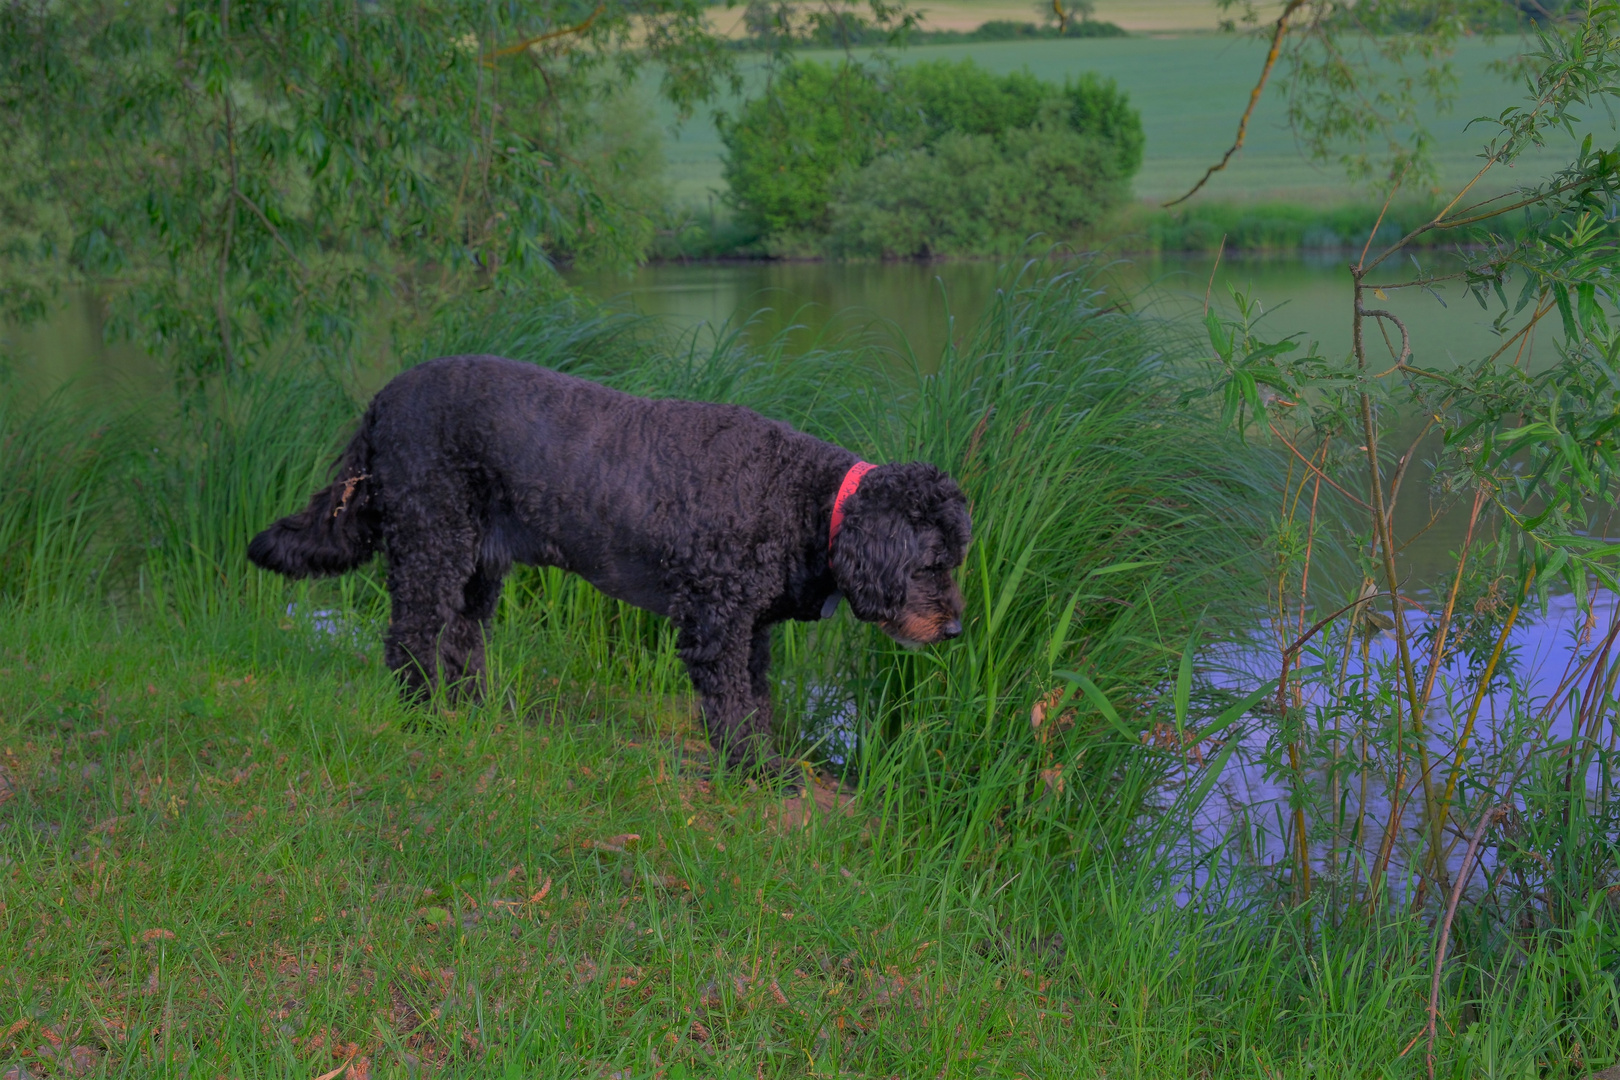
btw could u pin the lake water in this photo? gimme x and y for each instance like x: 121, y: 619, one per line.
x: 926, y: 303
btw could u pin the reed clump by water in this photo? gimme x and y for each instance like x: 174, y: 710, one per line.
x: 230, y: 844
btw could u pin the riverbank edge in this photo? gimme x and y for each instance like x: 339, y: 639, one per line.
x: 1259, y: 228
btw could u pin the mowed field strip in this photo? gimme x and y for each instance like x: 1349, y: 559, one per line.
x: 1137, y: 16
x: 1191, y: 90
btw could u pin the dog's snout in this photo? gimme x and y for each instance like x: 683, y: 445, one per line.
x: 952, y: 629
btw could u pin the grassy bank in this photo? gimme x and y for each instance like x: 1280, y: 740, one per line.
x: 229, y: 849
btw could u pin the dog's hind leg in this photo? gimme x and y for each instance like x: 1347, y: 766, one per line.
x: 482, y: 595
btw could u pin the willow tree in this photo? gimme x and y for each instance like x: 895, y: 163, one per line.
x: 237, y: 174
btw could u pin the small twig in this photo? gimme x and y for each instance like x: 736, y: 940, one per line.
x: 1438, y: 655
x: 348, y: 492
x: 1218, y: 253
x: 1416, y: 283
x: 1254, y: 99
x: 1406, y: 339
x: 1541, y: 312
x: 1382, y: 210
x: 1330, y: 481
x: 291, y: 254
x: 1401, y: 466
x: 1300, y: 642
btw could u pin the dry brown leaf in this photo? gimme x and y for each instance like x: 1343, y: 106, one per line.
x: 81, y: 1059
x: 612, y: 843
x: 335, y: 1073
x: 1052, y: 779
x: 820, y: 801
x: 1041, y: 720
x: 155, y: 933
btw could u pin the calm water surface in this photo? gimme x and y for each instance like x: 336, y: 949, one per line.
x: 930, y: 303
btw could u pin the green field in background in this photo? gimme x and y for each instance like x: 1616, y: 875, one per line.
x: 1191, y: 91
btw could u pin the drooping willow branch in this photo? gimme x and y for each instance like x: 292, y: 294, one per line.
x: 1254, y: 99
x: 513, y: 50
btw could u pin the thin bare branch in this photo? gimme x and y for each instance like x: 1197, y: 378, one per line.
x: 1254, y: 99
x: 1382, y: 210
x: 1406, y: 338
x: 1218, y: 253
x: 1406, y: 460
x: 1485, y: 821
x: 275, y: 232
x: 1324, y: 476
x: 513, y: 50
x: 1419, y: 283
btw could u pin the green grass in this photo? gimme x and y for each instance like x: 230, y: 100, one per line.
x: 444, y: 894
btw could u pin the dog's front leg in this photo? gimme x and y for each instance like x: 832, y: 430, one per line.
x: 737, y: 716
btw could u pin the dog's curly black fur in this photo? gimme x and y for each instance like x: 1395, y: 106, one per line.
x: 709, y: 514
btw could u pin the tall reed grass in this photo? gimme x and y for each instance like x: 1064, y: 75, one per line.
x: 57, y: 498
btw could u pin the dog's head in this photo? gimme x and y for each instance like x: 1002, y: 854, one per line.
x: 905, y: 529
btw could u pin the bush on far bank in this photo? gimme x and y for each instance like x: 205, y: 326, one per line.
x: 928, y: 158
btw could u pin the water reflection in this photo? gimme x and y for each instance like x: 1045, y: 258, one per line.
x: 1530, y: 708
x: 928, y: 304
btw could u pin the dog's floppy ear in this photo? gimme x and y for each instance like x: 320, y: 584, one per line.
x: 877, y: 547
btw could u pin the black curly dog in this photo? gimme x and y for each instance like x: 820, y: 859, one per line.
x: 712, y: 515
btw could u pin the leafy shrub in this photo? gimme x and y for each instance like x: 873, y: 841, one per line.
x: 607, y: 216
x: 1009, y: 30
x: 872, y: 142
x: 963, y: 97
x: 976, y: 194
x: 1099, y: 108
x: 784, y: 149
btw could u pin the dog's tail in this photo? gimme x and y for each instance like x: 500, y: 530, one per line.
x: 339, y: 530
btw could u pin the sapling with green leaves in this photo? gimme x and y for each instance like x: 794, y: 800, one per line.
x: 1525, y: 450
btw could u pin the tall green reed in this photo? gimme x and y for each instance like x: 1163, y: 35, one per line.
x: 220, y: 472
x: 58, y: 475
x: 1111, y: 520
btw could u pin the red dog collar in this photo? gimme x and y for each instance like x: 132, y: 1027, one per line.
x: 852, y: 480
